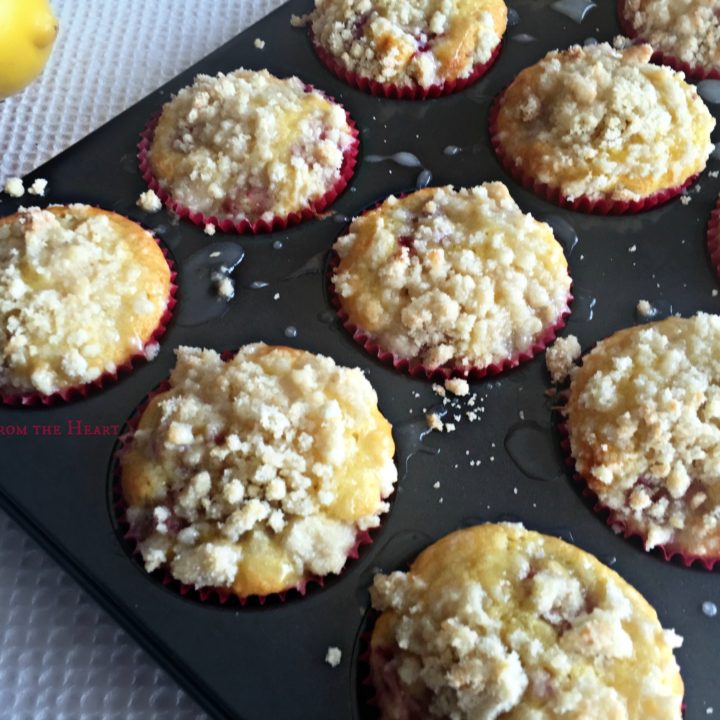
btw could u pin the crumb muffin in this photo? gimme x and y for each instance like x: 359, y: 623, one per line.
x: 254, y: 474
x: 686, y: 33
x: 495, y: 621
x: 415, y: 44
x: 247, y: 147
x: 598, y: 124
x: 82, y: 291
x: 642, y: 418
x: 453, y: 280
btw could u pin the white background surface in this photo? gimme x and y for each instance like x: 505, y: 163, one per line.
x: 61, y: 657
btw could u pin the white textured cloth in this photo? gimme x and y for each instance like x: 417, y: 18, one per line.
x: 61, y: 656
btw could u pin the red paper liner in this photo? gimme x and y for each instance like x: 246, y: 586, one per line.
x: 219, y: 596
x: 696, y: 72
x: 76, y: 392
x: 713, y: 237
x: 226, y: 224
x: 617, y: 522
x: 415, y: 368
x: 582, y: 203
x: 401, y: 92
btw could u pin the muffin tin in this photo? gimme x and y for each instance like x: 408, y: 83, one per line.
x: 265, y: 661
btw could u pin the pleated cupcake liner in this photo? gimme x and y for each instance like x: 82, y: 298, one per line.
x: 245, y: 226
x: 617, y: 523
x: 713, y: 237
x: 392, y: 91
x: 696, y: 72
x: 210, y: 595
x: 581, y: 203
x: 415, y: 368
x: 77, y: 392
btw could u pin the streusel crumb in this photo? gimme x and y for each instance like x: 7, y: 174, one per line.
x: 149, y: 201
x: 495, y: 621
x: 248, y: 145
x: 604, y: 123
x: 14, y: 187
x: 452, y: 278
x: 643, y: 417
x: 409, y: 42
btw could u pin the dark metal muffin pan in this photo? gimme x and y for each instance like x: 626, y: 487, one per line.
x: 267, y: 661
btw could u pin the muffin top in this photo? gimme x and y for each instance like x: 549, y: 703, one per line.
x: 644, y: 423
x: 497, y: 621
x: 604, y: 123
x: 255, y: 473
x: 409, y: 42
x: 454, y: 278
x: 81, y: 291
x: 687, y: 29
x: 249, y: 146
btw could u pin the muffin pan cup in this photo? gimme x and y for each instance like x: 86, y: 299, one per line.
x: 244, y: 226
x: 257, y: 662
x: 693, y: 72
x: 581, y: 203
x: 401, y: 92
x: 77, y: 392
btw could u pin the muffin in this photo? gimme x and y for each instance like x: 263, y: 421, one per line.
x: 256, y: 474
x: 684, y: 34
x: 602, y: 130
x: 408, y: 48
x: 451, y: 282
x: 249, y: 151
x: 82, y: 292
x: 642, y: 419
x: 495, y: 621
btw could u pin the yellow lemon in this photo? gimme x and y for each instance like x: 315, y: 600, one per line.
x: 27, y: 31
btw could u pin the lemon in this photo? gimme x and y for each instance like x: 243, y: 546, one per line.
x: 27, y: 31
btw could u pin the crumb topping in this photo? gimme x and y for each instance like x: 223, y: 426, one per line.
x: 149, y: 201
x: 687, y: 29
x: 644, y: 424
x: 560, y: 358
x: 452, y: 278
x: 248, y: 145
x: 605, y: 123
x: 495, y: 621
x: 81, y: 291
x: 409, y: 42
x: 259, y: 471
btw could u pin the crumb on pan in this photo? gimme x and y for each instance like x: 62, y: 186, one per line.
x: 642, y: 418
x: 507, y: 625
x: 38, y: 187
x: 560, y: 358
x: 149, y: 201
x: 333, y: 657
